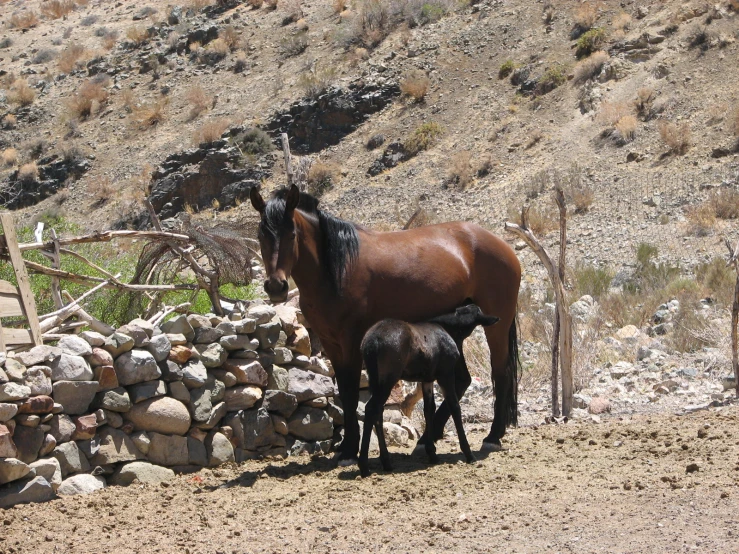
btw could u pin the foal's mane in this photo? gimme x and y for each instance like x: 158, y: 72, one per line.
x: 339, y: 239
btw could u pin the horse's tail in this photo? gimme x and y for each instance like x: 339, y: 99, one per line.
x: 511, y: 382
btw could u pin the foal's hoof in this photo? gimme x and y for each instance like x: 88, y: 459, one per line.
x: 419, y: 450
x: 346, y: 461
x: 491, y: 447
x: 433, y: 459
x: 471, y: 459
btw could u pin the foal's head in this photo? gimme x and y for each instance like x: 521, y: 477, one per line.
x: 278, y: 237
x: 463, y: 321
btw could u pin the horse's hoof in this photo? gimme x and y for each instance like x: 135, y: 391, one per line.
x: 433, y: 460
x: 471, y: 459
x: 346, y: 462
x: 491, y: 447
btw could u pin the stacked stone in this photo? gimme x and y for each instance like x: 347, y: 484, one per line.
x: 197, y: 391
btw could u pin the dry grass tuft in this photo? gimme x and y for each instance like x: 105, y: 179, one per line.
x: 415, y: 85
x: 28, y: 173
x: 322, y: 176
x: 137, y: 34
x: 423, y: 138
x: 199, y: 101
x: 10, y: 157
x: 541, y: 221
x: 70, y: 57
x: 88, y: 99
x: 676, y: 137
x: 256, y: 4
x: 10, y: 121
x: 460, y: 169
x: 215, y: 51
x: 611, y: 112
x: 626, y: 128
x: 701, y: 219
x: 725, y: 203
x: 316, y: 81
x: 644, y: 103
x: 148, y: 115
x: 23, y: 20
x: 591, y: 66
x: 198, y: 5
x: 622, y: 22
x: 21, y: 93
x: 210, y: 131
x: 586, y: 15
x: 56, y: 9
x: 102, y: 191
x: 231, y: 37
x: 339, y: 6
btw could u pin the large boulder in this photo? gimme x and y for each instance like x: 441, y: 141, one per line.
x: 247, y: 372
x: 68, y: 367
x: 12, y: 469
x: 115, y: 446
x: 306, y: 385
x: 143, y: 472
x: 242, y: 397
x: 75, y: 396
x: 49, y: 469
x: 310, y: 424
x: 81, y: 484
x: 136, y: 366
x: 168, y: 450
x: 70, y: 458
x: 37, y: 489
x: 162, y: 415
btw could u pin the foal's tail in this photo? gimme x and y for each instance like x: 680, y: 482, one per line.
x: 509, y: 396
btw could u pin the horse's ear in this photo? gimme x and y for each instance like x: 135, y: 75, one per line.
x: 293, y: 197
x: 256, y: 200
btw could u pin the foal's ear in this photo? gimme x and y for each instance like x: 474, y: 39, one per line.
x: 256, y: 200
x: 293, y: 197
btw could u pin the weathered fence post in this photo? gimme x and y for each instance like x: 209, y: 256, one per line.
x: 562, y: 342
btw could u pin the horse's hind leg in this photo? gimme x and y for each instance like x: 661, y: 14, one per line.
x: 429, y: 407
x: 447, y: 385
x: 504, y: 372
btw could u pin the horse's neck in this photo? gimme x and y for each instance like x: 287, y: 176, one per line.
x: 308, y: 272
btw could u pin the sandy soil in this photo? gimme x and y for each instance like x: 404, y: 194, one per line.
x: 651, y: 483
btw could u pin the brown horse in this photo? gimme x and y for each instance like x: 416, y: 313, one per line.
x: 350, y: 278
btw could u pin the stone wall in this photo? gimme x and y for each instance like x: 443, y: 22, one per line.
x: 149, y: 401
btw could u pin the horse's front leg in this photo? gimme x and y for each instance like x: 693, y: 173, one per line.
x: 347, y: 379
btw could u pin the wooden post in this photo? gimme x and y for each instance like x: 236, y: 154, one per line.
x: 288, y: 158
x: 21, y: 275
x: 565, y: 336
x: 56, y: 288
x: 734, y: 261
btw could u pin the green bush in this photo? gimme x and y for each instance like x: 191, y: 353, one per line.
x: 592, y: 280
x: 254, y: 142
x: 553, y: 77
x: 431, y: 12
x: 506, y: 68
x: 590, y: 42
x: 423, y: 138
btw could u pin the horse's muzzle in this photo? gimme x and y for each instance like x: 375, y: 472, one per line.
x: 276, y: 289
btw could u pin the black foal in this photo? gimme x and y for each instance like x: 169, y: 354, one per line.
x: 425, y: 352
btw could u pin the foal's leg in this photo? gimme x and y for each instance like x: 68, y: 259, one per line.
x: 372, y: 411
x: 429, y: 407
x: 462, y: 380
x: 447, y: 386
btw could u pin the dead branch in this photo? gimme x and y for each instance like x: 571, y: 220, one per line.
x: 105, y: 236
x: 95, y: 324
x: 734, y: 260
x: 158, y: 318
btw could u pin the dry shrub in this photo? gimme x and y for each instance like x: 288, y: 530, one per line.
x: 270, y: 4
x: 644, y: 103
x: 675, y: 136
x: 423, y: 138
x: 21, y: 93
x: 415, y: 85
x: 199, y: 101
x: 293, y: 9
x: 109, y: 39
x: 23, y: 20
x: 537, y: 135
x: 241, y: 61
x: 582, y: 197
x: 622, y: 21
x: 198, y: 5
x: 215, y: 51
x: 611, y: 112
x: 256, y: 4
x: 56, y: 9
x: 372, y: 23
x: 725, y: 203
x: 102, y: 191
x: 591, y: 66
x: 10, y: 121
x: 88, y: 99
x: 339, y: 6
x: 231, y: 37
x: 210, y: 131
x: 460, y: 169
x: 701, y: 219
x: 317, y: 80
x: 10, y: 157
x: 70, y: 57
x: 541, y: 221
x: 586, y: 15
x: 626, y: 128
x: 28, y: 173
x: 150, y: 114
x: 322, y: 176
x: 138, y: 34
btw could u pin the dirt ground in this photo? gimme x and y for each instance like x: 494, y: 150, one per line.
x: 651, y: 483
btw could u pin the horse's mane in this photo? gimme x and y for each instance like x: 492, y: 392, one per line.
x: 339, y: 238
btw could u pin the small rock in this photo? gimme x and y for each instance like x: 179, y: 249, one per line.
x: 81, y: 484
x: 86, y: 427
x: 310, y: 424
x: 599, y: 405
x: 39, y: 355
x: 106, y: 377
x: 36, y: 405
x: 149, y: 389
x: 37, y: 489
x: 118, y: 343
x: 75, y: 396
x: 212, y: 355
x: 7, y: 411
x: 162, y: 415
x: 115, y: 400
x: 281, y: 402
x: 159, y: 347
x: 49, y: 469
x: 221, y: 451
x: 12, y: 469
x: 247, y: 372
x: 168, y: 450
x: 93, y: 338
x: 179, y: 391
x: 306, y: 385
x: 692, y: 468
x: 136, y: 366
x: 261, y: 313
x: 194, y: 375
x: 242, y: 397
x: 62, y: 428
x: 180, y: 354
x: 143, y: 472
x: 10, y: 392
x: 141, y: 440
x: 114, y: 446
x: 74, y: 345
x: 70, y: 458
